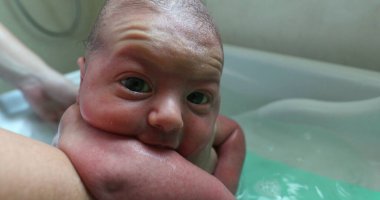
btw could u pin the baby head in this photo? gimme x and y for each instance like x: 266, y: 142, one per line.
x: 152, y: 71
x: 185, y: 17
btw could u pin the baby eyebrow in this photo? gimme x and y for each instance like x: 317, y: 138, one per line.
x: 209, y: 71
x: 205, y: 74
x: 136, y: 51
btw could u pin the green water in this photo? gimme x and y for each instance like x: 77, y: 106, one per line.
x: 263, y: 179
x: 300, y: 161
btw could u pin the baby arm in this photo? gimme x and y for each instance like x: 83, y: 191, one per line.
x: 119, y: 167
x: 230, y: 147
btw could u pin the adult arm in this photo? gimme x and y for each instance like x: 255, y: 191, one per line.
x: 47, y: 91
x: 33, y: 170
x: 119, y: 167
x: 230, y: 147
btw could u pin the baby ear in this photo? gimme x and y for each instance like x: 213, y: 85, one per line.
x: 81, y: 61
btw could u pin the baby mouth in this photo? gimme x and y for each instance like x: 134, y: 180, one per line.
x: 162, y: 145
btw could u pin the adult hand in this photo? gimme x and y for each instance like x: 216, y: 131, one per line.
x: 47, y: 91
x: 49, y: 94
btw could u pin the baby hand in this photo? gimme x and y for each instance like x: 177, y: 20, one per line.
x: 230, y: 146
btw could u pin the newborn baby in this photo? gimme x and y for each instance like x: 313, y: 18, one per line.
x: 146, y: 123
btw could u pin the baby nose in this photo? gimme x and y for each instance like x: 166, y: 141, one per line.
x: 167, y: 116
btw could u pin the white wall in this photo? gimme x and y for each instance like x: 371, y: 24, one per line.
x: 339, y: 31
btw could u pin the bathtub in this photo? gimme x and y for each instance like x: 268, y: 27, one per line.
x: 312, y: 128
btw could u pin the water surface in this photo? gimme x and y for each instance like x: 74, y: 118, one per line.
x: 288, y: 161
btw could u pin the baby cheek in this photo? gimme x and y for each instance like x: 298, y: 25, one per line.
x: 96, y: 116
x: 113, y: 118
x: 90, y: 114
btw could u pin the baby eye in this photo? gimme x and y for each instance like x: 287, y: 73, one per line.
x: 198, y: 98
x: 136, y: 85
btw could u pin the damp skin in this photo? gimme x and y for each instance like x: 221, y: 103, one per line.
x: 155, y: 81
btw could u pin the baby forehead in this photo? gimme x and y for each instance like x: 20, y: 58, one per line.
x: 174, y: 35
x: 166, y: 26
x: 186, y: 29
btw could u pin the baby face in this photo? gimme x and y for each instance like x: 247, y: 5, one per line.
x: 156, y: 79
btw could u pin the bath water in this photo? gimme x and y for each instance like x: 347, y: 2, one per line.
x: 301, y: 162
x: 263, y: 179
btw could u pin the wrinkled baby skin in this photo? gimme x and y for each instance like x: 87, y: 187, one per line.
x: 158, y: 81
x: 152, y: 90
x: 117, y: 167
